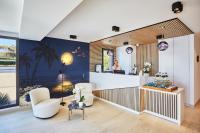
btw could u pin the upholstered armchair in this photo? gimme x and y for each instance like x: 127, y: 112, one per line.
x: 85, y: 90
x: 42, y: 105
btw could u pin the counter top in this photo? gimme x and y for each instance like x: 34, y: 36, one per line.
x: 104, y: 81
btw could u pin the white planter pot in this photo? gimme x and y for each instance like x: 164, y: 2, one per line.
x: 146, y: 77
x: 146, y: 74
x: 80, y: 104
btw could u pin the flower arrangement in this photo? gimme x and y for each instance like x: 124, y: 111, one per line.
x: 81, y: 98
x: 147, y: 67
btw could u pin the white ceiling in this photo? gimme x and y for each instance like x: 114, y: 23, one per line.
x: 90, y: 20
x: 93, y: 19
x: 10, y: 16
x: 33, y: 19
x: 41, y: 16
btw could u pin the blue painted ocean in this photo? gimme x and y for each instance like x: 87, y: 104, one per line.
x: 7, y: 69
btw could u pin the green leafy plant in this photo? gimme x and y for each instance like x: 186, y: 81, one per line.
x: 82, y: 99
x: 4, y: 99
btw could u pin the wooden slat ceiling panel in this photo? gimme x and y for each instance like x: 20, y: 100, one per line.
x: 147, y: 35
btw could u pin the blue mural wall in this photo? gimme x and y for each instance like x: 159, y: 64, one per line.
x: 40, y: 63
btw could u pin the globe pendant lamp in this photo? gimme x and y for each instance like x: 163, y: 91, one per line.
x: 163, y: 45
x: 129, y: 50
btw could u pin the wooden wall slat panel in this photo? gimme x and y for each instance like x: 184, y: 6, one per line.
x: 127, y: 97
x: 147, y: 53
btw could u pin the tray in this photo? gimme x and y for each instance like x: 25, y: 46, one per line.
x: 171, y: 89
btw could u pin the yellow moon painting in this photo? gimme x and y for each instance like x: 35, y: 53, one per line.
x: 67, y: 58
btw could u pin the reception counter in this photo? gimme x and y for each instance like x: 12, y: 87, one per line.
x: 104, y: 81
x: 126, y: 91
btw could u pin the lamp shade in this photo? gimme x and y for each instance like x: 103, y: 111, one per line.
x: 129, y: 50
x: 67, y: 58
x: 163, y: 45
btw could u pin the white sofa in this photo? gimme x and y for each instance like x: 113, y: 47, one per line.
x: 86, y: 91
x: 42, y: 105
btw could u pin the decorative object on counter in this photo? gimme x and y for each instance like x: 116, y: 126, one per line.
x: 147, y: 67
x: 155, y: 87
x: 133, y: 71
x: 140, y: 73
x: 98, y: 68
x: 161, y: 82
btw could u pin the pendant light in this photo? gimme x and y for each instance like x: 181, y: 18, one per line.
x: 163, y: 45
x: 129, y: 50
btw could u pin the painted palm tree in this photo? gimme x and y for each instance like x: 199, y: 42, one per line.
x: 26, y: 60
x: 47, y: 53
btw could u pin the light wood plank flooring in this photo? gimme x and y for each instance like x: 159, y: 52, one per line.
x: 100, y: 118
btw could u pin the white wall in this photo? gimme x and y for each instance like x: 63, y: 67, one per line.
x: 126, y: 61
x: 178, y: 61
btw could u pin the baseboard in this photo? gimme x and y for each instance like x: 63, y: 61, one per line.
x: 117, y: 105
x: 198, y: 101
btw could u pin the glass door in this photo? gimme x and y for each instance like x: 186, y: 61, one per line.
x: 8, y: 91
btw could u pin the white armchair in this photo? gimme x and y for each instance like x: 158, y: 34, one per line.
x: 86, y: 91
x: 42, y: 105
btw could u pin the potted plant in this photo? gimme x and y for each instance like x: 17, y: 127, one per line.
x: 79, y: 98
x: 81, y: 101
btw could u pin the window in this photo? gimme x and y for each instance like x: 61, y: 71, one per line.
x: 8, y: 91
x: 107, y: 59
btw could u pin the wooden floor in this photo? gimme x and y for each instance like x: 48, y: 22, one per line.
x: 100, y: 118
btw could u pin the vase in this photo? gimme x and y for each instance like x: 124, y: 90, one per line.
x: 146, y: 77
x: 146, y: 74
x: 80, y: 104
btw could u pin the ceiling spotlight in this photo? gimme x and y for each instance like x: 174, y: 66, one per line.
x: 177, y: 7
x: 72, y: 36
x: 137, y: 45
x: 115, y: 28
x: 125, y: 43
